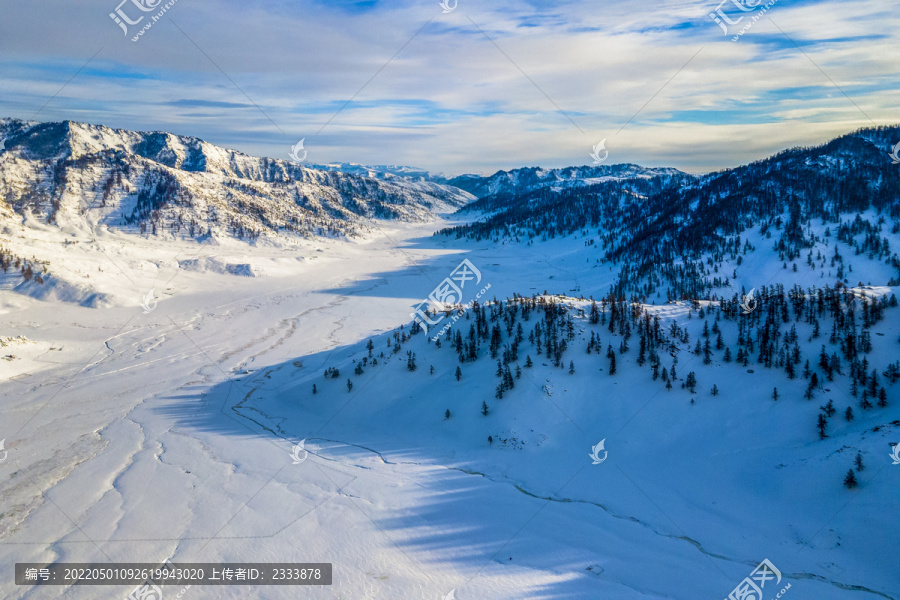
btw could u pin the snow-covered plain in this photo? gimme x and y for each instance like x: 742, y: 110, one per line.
x: 137, y: 436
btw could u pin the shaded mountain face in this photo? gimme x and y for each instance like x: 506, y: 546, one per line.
x: 676, y: 233
x: 160, y: 182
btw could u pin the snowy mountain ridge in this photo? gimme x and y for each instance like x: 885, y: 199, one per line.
x: 163, y: 182
x: 386, y: 172
x: 529, y: 179
x: 515, y: 181
x: 686, y: 236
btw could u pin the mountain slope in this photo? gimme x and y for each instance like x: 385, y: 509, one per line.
x: 687, y: 237
x: 159, y: 182
x: 519, y: 392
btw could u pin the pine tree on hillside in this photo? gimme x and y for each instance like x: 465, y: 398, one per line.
x: 850, y: 480
x: 484, y: 409
x: 691, y: 382
x: 595, y: 313
x: 458, y: 373
x: 822, y: 425
x: 809, y: 390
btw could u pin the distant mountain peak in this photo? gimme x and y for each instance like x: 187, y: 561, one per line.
x: 527, y: 179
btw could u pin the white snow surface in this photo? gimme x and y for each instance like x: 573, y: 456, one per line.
x: 138, y: 435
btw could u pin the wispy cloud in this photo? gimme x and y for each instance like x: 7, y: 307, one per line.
x: 455, y: 99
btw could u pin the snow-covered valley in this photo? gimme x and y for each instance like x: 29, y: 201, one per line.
x: 137, y: 436
x: 642, y: 385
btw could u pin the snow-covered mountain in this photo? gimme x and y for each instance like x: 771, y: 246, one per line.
x: 387, y: 172
x: 164, y: 183
x: 529, y: 179
x: 684, y: 237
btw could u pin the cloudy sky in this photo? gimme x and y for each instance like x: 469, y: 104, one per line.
x: 485, y: 86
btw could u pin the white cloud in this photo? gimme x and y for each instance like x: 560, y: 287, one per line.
x: 450, y: 100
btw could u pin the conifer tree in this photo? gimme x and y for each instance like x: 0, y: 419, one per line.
x: 691, y: 382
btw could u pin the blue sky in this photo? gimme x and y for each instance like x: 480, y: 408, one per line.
x: 487, y: 86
